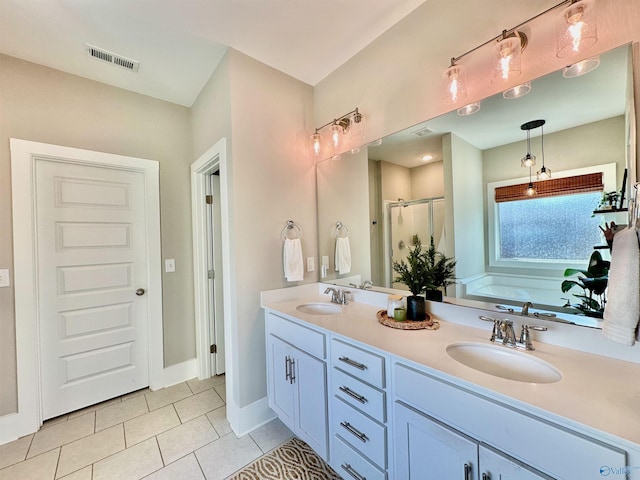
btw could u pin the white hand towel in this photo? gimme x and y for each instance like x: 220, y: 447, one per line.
x: 622, y: 310
x: 293, y: 265
x: 343, y: 255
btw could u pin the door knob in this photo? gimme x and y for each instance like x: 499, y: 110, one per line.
x: 140, y: 292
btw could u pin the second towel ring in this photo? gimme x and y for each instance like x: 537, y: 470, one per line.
x: 291, y: 231
x: 341, y: 230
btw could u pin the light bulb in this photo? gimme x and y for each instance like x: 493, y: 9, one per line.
x: 507, y: 63
x: 531, y: 190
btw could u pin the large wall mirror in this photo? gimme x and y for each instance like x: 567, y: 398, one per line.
x: 438, y: 179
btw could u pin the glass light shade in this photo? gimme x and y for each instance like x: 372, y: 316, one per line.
x: 507, y: 59
x: 336, y: 136
x: 544, y: 173
x: 517, y: 91
x: 581, y: 68
x: 576, y: 29
x: 531, y: 189
x: 357, y: 127
x: 469, y: 109
x: 454, y: 84
x: 316, y: 144
x: 528, y: 160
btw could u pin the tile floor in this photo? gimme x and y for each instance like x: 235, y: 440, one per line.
x: 180, y: 432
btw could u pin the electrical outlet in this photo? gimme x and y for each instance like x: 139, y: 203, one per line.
x: 4, y: 277
x: 170, y: 265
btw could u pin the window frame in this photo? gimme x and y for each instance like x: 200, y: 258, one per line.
x: 493, y: 225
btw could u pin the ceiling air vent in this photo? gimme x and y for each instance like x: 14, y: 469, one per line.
x: 423, y: 132
x: 113, y: 58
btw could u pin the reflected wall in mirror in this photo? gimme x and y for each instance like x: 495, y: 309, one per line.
x: 439, y: 178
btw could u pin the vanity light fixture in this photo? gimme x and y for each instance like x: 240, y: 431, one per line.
x: 581, y: 68
x: 576, y: 29
x: 575, y: 33
x: 469, y: 109
x: 517, y: 91
x: 352, y: 121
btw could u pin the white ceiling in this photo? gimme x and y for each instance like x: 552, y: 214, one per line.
x: 179, y: 43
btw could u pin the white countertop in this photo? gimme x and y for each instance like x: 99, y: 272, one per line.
x: 595, y: 391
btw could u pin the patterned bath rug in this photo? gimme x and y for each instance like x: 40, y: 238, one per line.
x: 294, y: 460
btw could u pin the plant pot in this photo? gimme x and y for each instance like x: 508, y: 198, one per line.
x: 433, y: 295
x: 415, y: 308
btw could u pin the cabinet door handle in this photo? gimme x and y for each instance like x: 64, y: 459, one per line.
x: 287, y: 372
x: 353, y: 363
x: 292, y: 375
x: 486, y: 476
x: 347, y: 426
x: 353, y: 394
x: 349, y: 469
x: 467, y: 471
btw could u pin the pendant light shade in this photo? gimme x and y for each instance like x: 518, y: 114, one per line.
x: 517, y: 91
x: 581, y: 68
x: 454, y: 84
x: 576, y: 28
x: 336, y: 135
x: 357, y: 127
x: 508, y: 56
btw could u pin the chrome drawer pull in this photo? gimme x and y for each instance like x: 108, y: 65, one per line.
x: 347, y: 426
x: 348, y: 361
x: 353, y: 394
x: 292, y: 376
x: 486, y: 476
x: 467, y: 471
x: 287, y: 373
x: 349, y: 469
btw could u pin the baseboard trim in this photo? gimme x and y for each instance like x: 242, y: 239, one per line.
x: 178, y: 373
x: 245, y: 420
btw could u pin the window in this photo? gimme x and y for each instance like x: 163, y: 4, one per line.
x: 555, y: 228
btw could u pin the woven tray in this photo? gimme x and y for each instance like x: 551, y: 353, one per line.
x: 428, y: 324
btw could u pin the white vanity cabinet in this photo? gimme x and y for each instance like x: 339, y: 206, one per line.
x: 425, y: 448
x: 441, y: 426
x: 358, y: 423
x: 297, y: 379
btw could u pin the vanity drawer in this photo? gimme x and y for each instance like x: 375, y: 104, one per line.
x: 363, y: 434
x: 364, y: 365
x: 359, y: 395
x: 547, y: 447
x: 305, y: 339
x: 348, y: 463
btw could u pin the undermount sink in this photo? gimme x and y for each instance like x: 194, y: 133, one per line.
x: 504, y: 362
x: 319, y: 308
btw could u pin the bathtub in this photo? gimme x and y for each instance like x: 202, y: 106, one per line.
x: 515, y: 289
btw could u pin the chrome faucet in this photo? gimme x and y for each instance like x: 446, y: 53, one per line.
x: 509, y: 334
x: 337, y: 296
x: 366, y: 285
x: 503, y: 332
x: 525, y: 308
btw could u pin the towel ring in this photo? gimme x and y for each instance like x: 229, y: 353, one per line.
x: 291, y: 231
x: 341, y: 230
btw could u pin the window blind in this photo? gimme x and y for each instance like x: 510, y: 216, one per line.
x: 590, y: 182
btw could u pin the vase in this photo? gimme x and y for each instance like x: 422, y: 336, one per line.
x: 415, y: 308
x: 433, y: 295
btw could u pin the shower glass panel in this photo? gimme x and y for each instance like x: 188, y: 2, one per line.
x: 410, y: 220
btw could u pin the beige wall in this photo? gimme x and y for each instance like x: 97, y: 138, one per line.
x: 267, y: 115
x: 427, y: 181
x: 49, y: 106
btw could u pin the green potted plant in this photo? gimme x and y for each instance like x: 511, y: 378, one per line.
x: 414, y: 273
x: 593, y: 281
x: 441, y: 273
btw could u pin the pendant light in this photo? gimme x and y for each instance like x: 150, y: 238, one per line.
x: 576, y: 29
x: 529, y: 160
x: 544, y: 173
x: 531, y: 189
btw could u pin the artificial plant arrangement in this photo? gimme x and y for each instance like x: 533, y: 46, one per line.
x: 441, y: 273
x: 415, y: 275
x: 593, y: 282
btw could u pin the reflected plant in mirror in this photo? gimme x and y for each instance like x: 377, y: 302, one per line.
x: 453, y: 195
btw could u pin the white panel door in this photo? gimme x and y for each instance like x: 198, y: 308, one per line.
x: 92, y: 272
